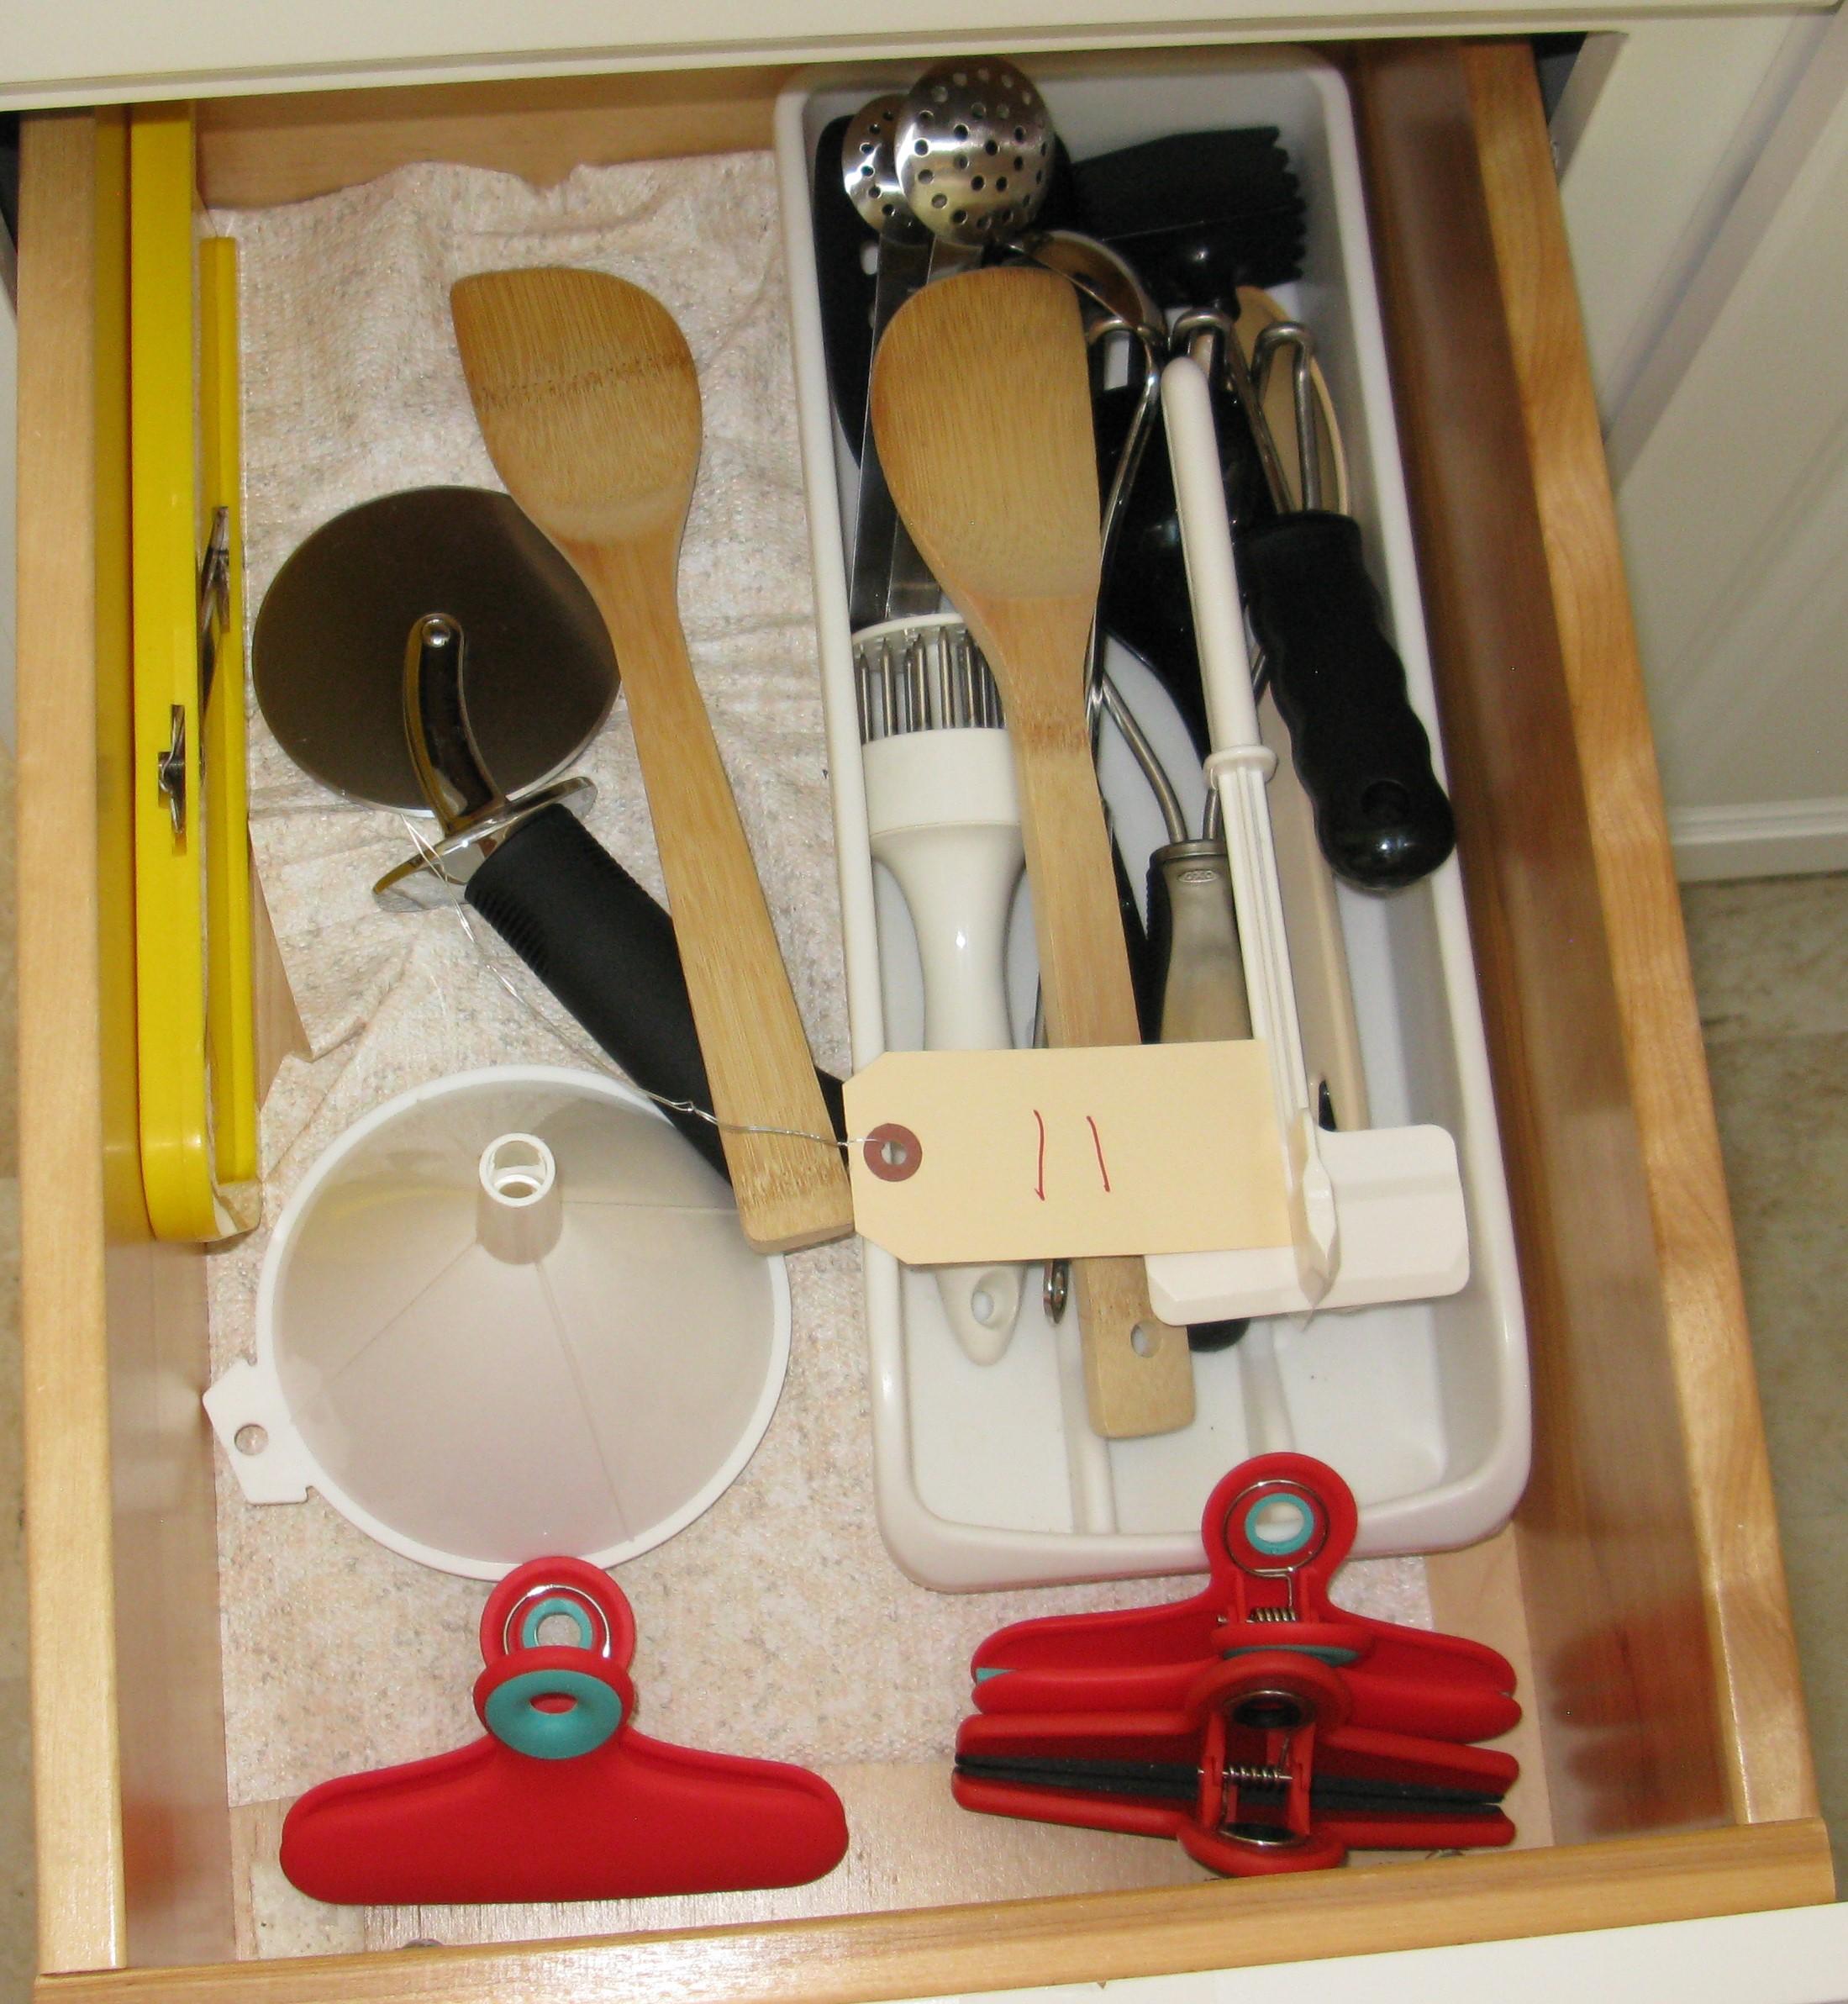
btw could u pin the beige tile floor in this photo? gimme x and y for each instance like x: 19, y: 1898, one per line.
x: 1770, y: 968
x: 1771, y: 963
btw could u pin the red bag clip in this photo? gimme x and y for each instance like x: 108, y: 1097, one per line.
x: 563, y: 1799
x: 1276, y: 1530
x: 1262, y: 1726
x: 1258, y: 1771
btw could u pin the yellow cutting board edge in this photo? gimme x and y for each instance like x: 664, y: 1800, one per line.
x: 230, y: 1011
x: 173, y: 494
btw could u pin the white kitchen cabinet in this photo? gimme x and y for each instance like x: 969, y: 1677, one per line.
x: 1704, y: 190
x: 9, y: 366
x: 102, y: 52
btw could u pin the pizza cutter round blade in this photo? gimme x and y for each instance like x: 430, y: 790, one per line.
x: 327, y: 653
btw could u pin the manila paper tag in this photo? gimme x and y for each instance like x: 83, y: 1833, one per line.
x: 965, y: 1156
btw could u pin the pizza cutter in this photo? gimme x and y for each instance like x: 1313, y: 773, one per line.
x: 327, y: 655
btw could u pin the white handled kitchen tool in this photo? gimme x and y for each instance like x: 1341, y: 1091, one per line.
x: 511, y: 1311
x: 946, y: 822
x: 1377, y: 1214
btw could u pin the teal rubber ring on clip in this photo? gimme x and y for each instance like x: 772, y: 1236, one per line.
x: 551, y: 1605
x: 1292, y: 1541
x: 514, y: 1717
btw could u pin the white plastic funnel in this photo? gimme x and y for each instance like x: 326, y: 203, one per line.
x: 506, y: 1313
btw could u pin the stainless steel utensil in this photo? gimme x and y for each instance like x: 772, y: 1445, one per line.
x: 882, y: 552
x: 327, y: 655
x: 1105, y: 277
x: 957, y: 181
x: 1291, y: 335
x: 869, y: 165
x: 974, y: 147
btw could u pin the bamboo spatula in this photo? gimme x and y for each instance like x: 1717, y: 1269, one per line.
x: 982, y: 415
x: 587, y: 397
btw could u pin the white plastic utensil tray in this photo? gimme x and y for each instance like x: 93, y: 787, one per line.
x: 990, y: 1475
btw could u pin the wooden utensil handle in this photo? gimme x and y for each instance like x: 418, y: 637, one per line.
x: 1138, y: 1373
x: 1084, y: 966
x: 792, y: 1191
x: 1138, y: 1369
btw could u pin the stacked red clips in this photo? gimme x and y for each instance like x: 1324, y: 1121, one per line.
x: 563, y: 1799
x: 1261, y: 1726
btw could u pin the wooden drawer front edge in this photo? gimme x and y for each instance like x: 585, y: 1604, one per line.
x: 1232, y: 1924
x: 1665, y: 1666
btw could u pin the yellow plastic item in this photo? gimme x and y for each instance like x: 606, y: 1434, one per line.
x: 192, y: 917
x: 230, y: 1019
x: 124, y: 1205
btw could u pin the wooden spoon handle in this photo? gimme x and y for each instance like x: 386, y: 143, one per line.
x: 1084, y: 965
x: 1138, y: 1372
x: 791, y: 1191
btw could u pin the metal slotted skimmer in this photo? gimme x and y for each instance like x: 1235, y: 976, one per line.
x: 974, y: 147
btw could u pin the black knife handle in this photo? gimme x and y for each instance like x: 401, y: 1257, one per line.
x: 607, y: 950
x: 1381, y: 816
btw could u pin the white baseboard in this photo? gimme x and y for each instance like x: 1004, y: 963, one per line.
x: 1768, y: 838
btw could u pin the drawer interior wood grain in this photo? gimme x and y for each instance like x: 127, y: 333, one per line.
x: 1663, y: 1651
x: 1645, y: 1563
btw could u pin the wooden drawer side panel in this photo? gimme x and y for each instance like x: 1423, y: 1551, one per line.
x: 68, y: 1541
x: 1637, y: 1612
x: 132, y: 1829
x: 255, y: 152
x: 1735, y: 1520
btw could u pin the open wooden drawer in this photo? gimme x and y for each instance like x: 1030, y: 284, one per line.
x: 1642, y: 1583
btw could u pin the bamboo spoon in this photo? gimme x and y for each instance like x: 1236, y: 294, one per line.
x: 586, y: 394
x: 982, y: 415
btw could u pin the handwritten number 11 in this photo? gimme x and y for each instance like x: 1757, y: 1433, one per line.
x: 1039, y: 1172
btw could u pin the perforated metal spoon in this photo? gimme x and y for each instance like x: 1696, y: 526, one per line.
x: 869, y: 168
x: 974, y: 148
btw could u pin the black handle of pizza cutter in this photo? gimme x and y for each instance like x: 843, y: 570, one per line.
x: 607, y: 950
x: 589, y: 931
